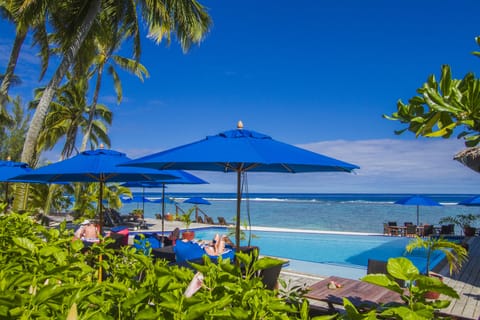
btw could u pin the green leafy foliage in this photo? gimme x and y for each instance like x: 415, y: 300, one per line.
x: 415, y: 305
x: 45, y: 274
x: 456, y: 254
x: 443, y: 107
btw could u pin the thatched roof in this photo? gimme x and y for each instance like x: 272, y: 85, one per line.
x: 469, y: 157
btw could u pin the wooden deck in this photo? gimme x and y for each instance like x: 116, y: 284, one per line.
x: 466, y: 283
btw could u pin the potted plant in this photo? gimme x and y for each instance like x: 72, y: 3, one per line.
x: 464, y: 221
x: 456, y: 255
x: 187, y: 219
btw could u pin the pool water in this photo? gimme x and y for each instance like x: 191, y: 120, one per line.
x: 339, y: 254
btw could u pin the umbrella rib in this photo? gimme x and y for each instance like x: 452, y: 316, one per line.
x: 287, y: 168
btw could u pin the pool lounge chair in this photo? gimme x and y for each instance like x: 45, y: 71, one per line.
x: 200, y: 220
x: 221, y: 221
x: 411, y: 230
x: 209, y: 220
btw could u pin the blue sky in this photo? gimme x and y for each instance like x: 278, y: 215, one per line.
x: 317, y: 74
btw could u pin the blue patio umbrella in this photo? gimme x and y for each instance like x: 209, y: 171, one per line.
x: 418, y: 201
x: 99, y: 165
x: 241, y: 151
x: 196, y: 201
x: 182, y: 177
x: 473, y: 201
x: 10, y: 169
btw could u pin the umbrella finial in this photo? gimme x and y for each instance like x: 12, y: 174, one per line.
x: 101, y: 146
x: 9, y: 158
x: 240, y: 124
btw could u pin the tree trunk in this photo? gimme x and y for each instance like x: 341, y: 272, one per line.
x: 44, y: 104
x: 12, y: 63
x: 93, y: 107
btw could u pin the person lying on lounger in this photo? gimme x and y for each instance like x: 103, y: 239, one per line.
x: 87, y: 231
x: 217, y: 246
x: 186, y: 250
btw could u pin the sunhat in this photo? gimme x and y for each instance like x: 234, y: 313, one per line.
x: 85, y: 222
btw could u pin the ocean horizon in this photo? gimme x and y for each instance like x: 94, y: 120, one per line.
x: 350, y: 212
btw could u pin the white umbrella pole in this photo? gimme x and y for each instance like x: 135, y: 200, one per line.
x: 239, y: 199
x: 418, y: 215
x: 163, y: 212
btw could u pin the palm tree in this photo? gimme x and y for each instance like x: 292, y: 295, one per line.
x: 69, y: 116
x: 106, y: 46
x: 23, y: 23
x: 456, y: 254
x: 186, y: 18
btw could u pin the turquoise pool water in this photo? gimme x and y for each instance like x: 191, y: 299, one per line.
x: 329, y: 254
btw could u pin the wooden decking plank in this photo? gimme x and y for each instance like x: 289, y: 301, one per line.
x: 467, y: 284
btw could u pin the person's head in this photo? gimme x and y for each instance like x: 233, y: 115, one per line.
x: 85, y: 222
x: 176, y: 233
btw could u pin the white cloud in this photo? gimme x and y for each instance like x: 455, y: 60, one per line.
x: 386, y: 166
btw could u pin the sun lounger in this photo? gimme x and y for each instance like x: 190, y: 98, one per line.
x: 112, y: 218
x: 199, y: 219
x: 221, y: 221
x: 209, y: 220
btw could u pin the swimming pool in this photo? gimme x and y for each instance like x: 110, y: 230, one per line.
x: 329, y: 254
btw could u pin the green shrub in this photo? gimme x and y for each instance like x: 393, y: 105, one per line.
x: 46, y: 275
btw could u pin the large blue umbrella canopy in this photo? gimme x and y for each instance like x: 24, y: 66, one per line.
x: 241, y: 151
x: 417, y: 200
x: 99, y: 165
x: 10, y: 169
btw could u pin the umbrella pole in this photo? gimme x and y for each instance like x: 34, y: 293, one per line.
x: 163, y: 213
x: 143, y: 202
x: 239, y: 199
x: 100, y: 202
x: 418, y: 215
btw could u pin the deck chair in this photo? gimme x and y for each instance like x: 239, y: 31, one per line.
x: 447, y: 229
x: 221, y: 221
x: 393, y: 231
x: 428, y: 230
x: 411, y: 230
x: 200, y: 220
x: 378, y: 266
x: 209, y: 220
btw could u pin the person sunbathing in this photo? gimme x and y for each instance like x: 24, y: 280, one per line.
x: 217, y: 246
x: 87, y: 231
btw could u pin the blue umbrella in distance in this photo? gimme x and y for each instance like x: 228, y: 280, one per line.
x: 196, y: 201
x: 100, y: 165
x: 182, y: 177
x: 473, y: 201
x: 418, y: 201
x: 241, y: 151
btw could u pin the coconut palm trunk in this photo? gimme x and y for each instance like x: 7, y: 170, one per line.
x: 12, y: 62
x: 42, y: 108
x: 91, y: 114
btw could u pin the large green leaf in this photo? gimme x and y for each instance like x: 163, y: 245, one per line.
x: 402, y: 268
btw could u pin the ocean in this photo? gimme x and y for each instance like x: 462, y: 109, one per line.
x: 329, y: 212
